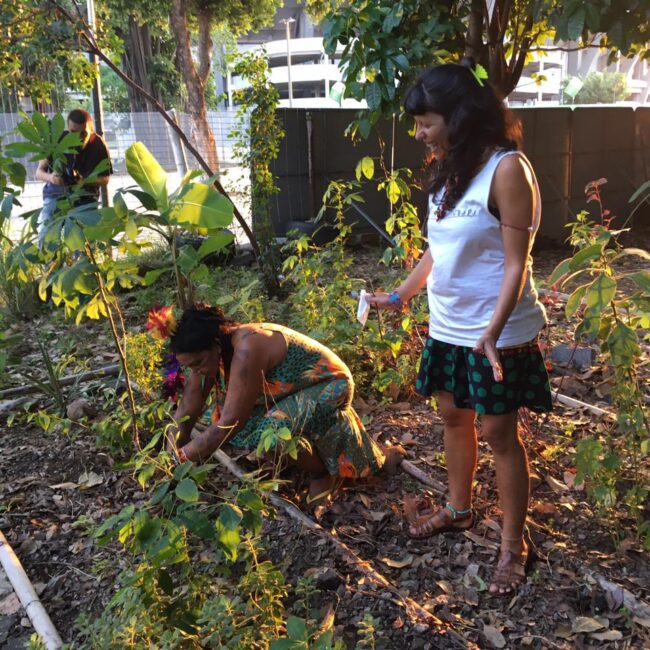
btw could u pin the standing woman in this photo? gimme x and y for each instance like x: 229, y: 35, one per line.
x: 481, y: 356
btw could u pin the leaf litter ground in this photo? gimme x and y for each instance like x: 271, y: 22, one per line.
x: 55, y: 487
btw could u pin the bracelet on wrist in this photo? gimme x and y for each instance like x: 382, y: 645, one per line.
x: 395, y: 299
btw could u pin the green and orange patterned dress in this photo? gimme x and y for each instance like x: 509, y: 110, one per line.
x: 310, y: 392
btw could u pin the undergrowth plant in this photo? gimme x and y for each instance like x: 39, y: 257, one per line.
x: 613, y: 308
x: 324, y: 298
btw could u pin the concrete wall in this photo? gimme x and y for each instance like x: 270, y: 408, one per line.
x: 568, y: 148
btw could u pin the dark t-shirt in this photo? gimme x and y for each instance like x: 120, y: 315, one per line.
x: 84, y: 162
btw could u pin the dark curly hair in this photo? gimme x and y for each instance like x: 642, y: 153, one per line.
x: 476, y: 119
x: 199, y: 328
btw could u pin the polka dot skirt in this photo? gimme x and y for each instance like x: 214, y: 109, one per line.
x: 468, y: 376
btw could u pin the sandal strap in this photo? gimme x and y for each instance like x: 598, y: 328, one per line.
x: 457, y: 513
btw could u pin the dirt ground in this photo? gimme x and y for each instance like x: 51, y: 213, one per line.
x: 53, y: 488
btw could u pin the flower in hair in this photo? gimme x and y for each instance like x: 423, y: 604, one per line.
x: 161, y: 322
x: 480, y: 73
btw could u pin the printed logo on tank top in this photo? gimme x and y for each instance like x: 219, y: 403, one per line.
x: 463, y: 213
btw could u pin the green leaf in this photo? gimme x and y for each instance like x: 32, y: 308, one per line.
x: 282, y: 644
x: 250, y: 500
x: 373, y: 96
x: 230, y: 516
x: 151, y: 276
x: 121, y: 209
x: 645, y: 187
x: 601, y: 292
x: 131, y: 230
x: 148, y: 201
x: 203, y: 207
x: 576, y: 23
x: 160, y: 492
x: 187, y: 491
x: 365, y: 166
x: 622, y: 345
x: 560, y: 271
x: 393, y: 192
x: 228, y: 539
x: 283, y: 433
x: 73, y: 236
x: 215, y: 243
x: 297, y: 629
x: 574, y: 300
x: 588, y: 253
x: 165, y: 582
x: 641, y: 279
x: 147, y: 173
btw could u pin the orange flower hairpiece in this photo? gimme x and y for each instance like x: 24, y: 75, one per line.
x: 161, y: 322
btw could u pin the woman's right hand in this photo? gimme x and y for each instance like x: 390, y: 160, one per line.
x: 381, y: 300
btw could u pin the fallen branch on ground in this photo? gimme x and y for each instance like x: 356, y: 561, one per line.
x: 106, y: 371
x: 423, y: 477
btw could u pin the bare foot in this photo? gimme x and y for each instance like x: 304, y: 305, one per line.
x: 320, y: 490
x: 394, y: 457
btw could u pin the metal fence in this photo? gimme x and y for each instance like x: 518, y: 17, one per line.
x: 568, y: 148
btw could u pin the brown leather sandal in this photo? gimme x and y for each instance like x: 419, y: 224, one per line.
x: 422, y: 515
x: 510, y: 571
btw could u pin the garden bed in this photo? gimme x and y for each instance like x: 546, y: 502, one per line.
x: 56, y: 487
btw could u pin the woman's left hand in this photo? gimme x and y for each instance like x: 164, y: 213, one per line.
x: 487, y: 345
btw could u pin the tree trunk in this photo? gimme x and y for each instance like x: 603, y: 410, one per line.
x: 201, y: 133
x: 135, y: 61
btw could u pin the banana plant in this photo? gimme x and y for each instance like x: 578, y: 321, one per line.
x: 193, y: 207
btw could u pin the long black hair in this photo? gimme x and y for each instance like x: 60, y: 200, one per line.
x: 199, y: 328
x: 476, y: 119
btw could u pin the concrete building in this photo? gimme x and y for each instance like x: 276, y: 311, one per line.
x: 305, y: 75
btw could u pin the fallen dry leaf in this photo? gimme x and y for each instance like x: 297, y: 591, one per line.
x: 556, y: 486
x: 645, y: 622
x: 89, y: 479
x: 588, y: 624
x: 610, y: 635
x: 494, y: 636
x: 481, y: 541
x: 407, y: 560
x: 64, y: 486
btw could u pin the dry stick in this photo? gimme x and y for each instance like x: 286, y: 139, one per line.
x: 576, y: 403
x: 120, y: 351
x: 106, y: 371
x: 412, y: 608
x: 27, y: 596
x: 423, y: 477
x: 12, y: 404
x: 94, y: 49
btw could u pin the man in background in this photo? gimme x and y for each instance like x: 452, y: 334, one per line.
x: 78, y: 166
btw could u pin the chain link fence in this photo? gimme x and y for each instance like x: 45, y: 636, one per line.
x: 121, y: 130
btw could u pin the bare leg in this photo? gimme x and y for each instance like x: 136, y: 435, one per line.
x: 461, y: 448
x: 460, y: 453
x: 513, y: 481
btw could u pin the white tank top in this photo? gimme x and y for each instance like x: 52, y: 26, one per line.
x: 468, y: 264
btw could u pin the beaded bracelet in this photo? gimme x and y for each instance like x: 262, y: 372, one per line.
x: 182, y: 456
x: 395, y: 299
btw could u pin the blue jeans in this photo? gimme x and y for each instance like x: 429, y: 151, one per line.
x: 45, y: 218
